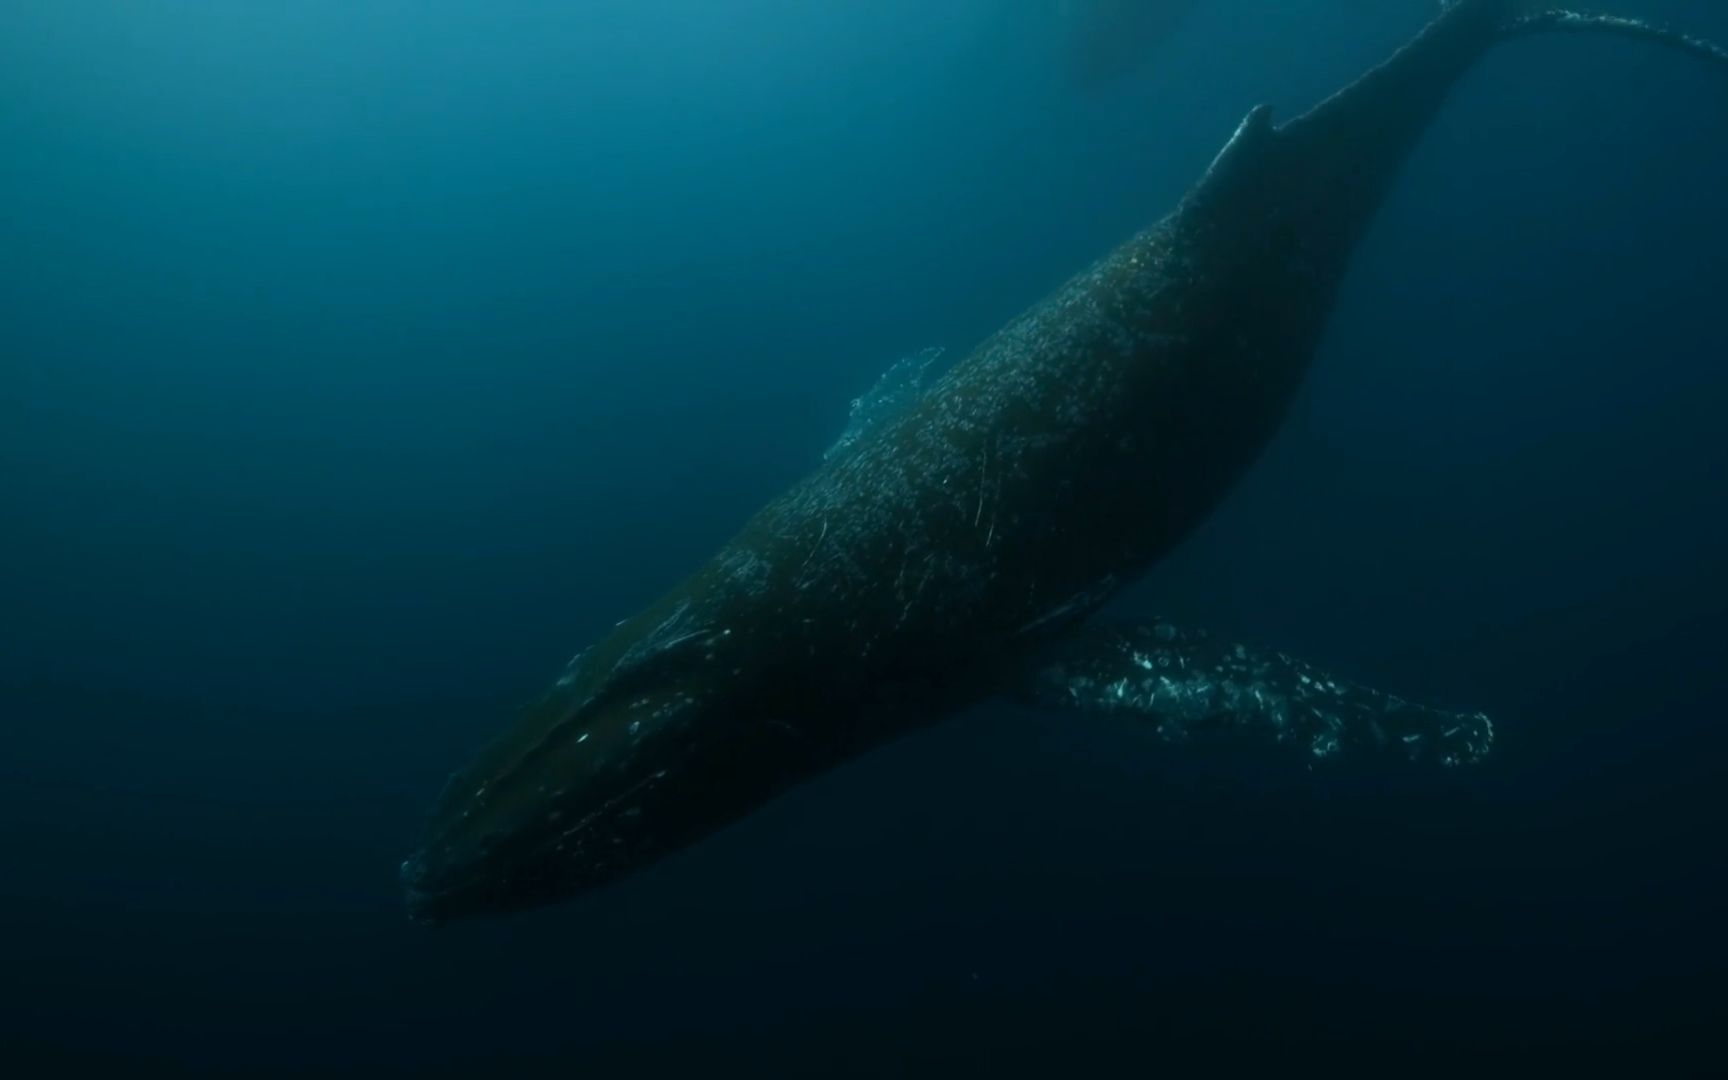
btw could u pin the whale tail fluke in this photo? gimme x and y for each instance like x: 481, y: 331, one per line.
x: 1544, y: 16
x: 1540, y: 17
x: 1355, y: 141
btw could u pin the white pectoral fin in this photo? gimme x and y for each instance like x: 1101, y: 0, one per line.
x: 1190, y: 686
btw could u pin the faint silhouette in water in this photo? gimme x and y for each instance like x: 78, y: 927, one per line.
x: 1105, y: 40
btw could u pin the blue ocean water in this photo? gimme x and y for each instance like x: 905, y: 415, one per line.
x: 363, y: 361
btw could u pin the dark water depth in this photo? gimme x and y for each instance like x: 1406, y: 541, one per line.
x: 359, y: 362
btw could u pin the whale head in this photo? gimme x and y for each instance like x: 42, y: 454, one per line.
x: 545, y: 812
x: 652, y: 738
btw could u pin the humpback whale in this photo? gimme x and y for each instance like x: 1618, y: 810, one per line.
x: 957, y: 550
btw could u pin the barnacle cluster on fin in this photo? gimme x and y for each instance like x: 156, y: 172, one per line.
x: 1189, y: 686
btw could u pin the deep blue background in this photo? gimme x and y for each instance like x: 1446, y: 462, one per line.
x: 363, y: 361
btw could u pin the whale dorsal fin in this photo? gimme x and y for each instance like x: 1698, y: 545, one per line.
x: 1190, y: 686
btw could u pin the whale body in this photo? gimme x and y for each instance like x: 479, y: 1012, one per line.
x: 957, y: 550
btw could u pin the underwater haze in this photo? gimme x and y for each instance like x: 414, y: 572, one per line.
x: 360, y: 362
